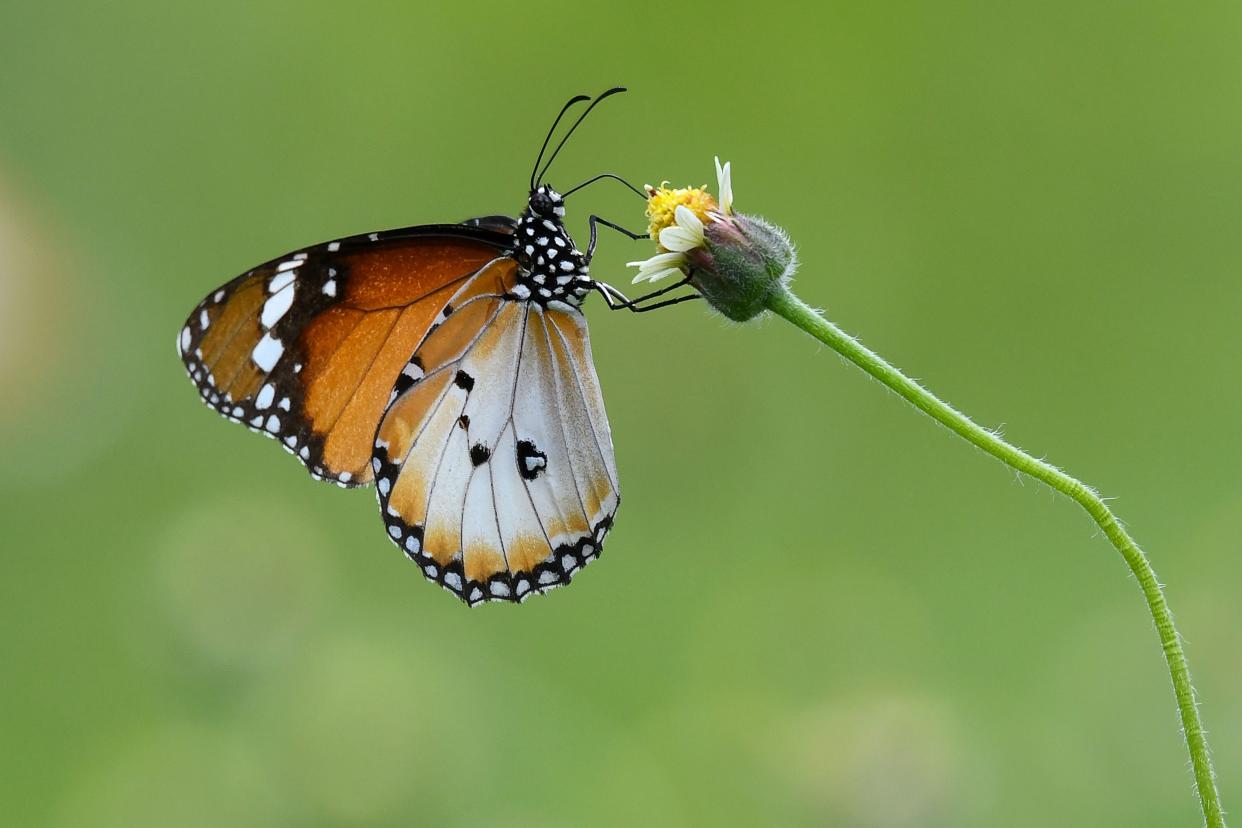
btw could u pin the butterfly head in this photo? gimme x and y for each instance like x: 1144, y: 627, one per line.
x: 546, y: 202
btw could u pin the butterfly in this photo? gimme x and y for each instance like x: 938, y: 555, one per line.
x: 450, y: 366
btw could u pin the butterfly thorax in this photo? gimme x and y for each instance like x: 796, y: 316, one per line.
x: 550, y: 267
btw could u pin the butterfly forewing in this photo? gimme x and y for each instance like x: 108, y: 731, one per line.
x: 494, y: 464
x: 306, y: 348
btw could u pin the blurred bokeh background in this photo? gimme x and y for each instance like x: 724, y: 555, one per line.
x: 817, y: 608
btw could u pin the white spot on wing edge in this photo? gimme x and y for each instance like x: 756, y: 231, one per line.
x: 333, y: 247
x: 203, y: 319
x: 183, y: 344
x: 266, y: 394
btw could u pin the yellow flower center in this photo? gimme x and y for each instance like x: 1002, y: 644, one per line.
x: 662, y: 203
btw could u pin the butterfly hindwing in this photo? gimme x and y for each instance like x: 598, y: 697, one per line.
x: 306, y: 348
x: 494, y: 460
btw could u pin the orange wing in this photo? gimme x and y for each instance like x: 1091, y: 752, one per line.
x: 308, y: 347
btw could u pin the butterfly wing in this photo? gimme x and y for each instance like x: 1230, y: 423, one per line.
x: 306, y: 348
x: 494, y: 462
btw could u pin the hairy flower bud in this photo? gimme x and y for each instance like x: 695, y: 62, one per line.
x: 744, y: 260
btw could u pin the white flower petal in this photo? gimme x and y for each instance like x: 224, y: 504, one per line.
x: 724, y: 186
x: 688, y: 221
x: 659, y: 259
x: 679, y: 239
x: 658, y: 275
x: 658, y: 266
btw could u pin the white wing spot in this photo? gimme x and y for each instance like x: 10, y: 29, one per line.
x: 329, y: 287
x: 203, y: 319
x: 284, y: 403
x: 453, y: 580
x: 411, y: 544
x: 275, y: 308
x: 384, y: 486
x: 273, y: 424
x: 266, y: 394
x: 184, y: 342
x: 267, y: 353
x: 280, y: 281
x: 395, y: 531
x: 345, y: 477
x: 286, y: 266
x: 334, y: 246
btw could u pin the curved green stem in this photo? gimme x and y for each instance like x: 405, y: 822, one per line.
x: 793, y: 309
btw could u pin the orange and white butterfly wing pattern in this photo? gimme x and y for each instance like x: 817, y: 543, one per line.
x: 306, y: 347
x: 494, y: 461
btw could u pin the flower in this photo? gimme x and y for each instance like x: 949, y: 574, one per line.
x: 676, y: 220
x: 738, y: 263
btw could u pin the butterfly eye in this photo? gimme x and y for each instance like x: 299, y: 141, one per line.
x: 541, y: 203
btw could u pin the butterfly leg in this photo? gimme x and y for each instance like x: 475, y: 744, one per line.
x: 617, y: 300
x: 595, y: 221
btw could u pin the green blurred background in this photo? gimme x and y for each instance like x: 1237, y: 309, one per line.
x: 817, y: 608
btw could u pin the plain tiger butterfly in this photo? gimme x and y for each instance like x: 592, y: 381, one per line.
x: 448, y: 364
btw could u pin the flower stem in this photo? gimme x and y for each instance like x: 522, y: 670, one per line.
x: 790, y: 307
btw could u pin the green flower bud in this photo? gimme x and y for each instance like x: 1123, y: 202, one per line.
x: 743, y: 261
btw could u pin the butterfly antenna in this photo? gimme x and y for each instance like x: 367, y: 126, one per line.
x: 575, y: 99
x: 581, y: 118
